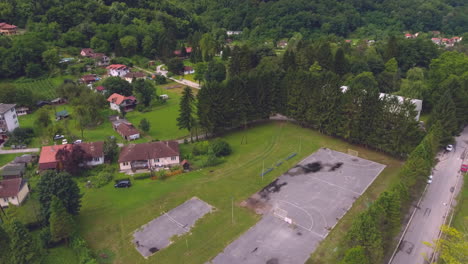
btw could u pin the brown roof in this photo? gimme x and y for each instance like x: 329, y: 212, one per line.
x: 135, y: 75
x: 151, y: 150
x: 126, y: 129
x: 10, y: 187
x: 118, y: 99
x: 94, y: 149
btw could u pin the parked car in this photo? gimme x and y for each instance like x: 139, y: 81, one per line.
x: 64, y: 141
x: 78, y: 141
x: 464, y: 168
x: 123, y: 184
x: 430, y: 177
x: 56, y: 137
x: 449, y: 148
x: 429, y: 181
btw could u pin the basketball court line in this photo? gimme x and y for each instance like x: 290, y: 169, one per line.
x: 332, y: 184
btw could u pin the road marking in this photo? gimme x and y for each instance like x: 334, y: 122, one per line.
x: 332, y: 184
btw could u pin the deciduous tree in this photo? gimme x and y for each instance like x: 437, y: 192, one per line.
x: 61, y: 222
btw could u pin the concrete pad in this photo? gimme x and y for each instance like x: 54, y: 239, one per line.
x: 313, y: 195
x: 157, y: 234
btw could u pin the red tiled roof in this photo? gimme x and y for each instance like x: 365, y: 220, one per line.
x: 177, y: 52
x: 118, y: 99
x: 7, y: 26
x: 135, y: 75
x: 188, y: 68
x: 10, y: 187
x: 188, y: 49
x: 126, y: 129
x: 87, y: 52
x: 151, y: 150
x: 116, y: 67
x: 100, y: 88
x: 408, y: 35
x: 89, y: 78
x: 48, y: 160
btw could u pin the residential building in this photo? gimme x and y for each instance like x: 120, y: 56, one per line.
x: 129, y: 77
x: 146, y: 156
x: 100, y: 58
x: 233, y: 32
x: 48, y: 160
x: 126, y: 129
x: 117, y: 102
x: 89, y: 78
x: 8, y: 119
x: 13, y: 170
x: 188, y: 70
x: 13, y: 191
x: 282, y: 44
x: 7, y: 29
x: 22, y: 111
x: 117, y: 70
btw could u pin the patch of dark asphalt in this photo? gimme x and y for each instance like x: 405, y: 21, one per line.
x: 314, y: 167
x: 154, y: 249
x: 273, y: 187
x: 273, y: 261
x: 255, y: 249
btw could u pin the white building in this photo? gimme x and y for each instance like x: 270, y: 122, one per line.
x: 8, y: 119
x: 13, y: 191
x: 233, y: 32
x: 117, y: 70
x: 152, y: 155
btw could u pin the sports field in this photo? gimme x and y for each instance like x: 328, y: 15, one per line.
x: 109, y: 217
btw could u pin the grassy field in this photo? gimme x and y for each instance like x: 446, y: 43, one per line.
x: 43, y: 89
x: 5, y: 158
x: 162, y: 118
x: 460, y: 218
x: 60, y: 255
x: 109, y: 216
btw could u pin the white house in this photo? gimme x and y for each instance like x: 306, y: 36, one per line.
x: 117, y: 70
x: 13, y: 191
x: 129, y: 77
x: 152, y: 155
x: 188, y: 70
x: 8, y: 119
x: 233, y: 32
x: 117, y: 102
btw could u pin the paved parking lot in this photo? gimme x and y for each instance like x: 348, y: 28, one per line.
x: 156, y: 235
x: 300, y: 208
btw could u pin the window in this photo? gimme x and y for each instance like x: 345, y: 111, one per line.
x: 156, y: 160
x: 5, y: 199
x: 12, y: 109
x: 125, y: 163
x: 173, y: 158
x: 14, y: 116
x: 96, y: 159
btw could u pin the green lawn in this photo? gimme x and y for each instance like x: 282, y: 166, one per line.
x: 60, y: 255
x: 460, y: 218
x: 162, y: 118
x: 5, y: 158
x: 109, y: 216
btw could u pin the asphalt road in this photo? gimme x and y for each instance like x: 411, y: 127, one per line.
x: 433, y: 210
x: 181, y: 81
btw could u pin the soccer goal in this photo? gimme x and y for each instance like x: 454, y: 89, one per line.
x: 353, y: 152
x: 283, y: 215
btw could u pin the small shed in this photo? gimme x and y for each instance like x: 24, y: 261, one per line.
x: 25, y: 159
x: 185, y: 165
x: 13, y: 171
x: 62, y: 114
x: 164, y: 96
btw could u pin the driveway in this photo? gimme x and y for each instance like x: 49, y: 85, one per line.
x: 181, y: 81
x: 435, y: 205
x: 13, y: 151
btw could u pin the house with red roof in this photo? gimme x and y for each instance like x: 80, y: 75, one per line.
x: 151, y: 155
x: 89, y: 78
x: 13, y: 191
x: 188, y: 51
x: 7, y: 29
x: 117, y: 102
x: 48, y: 159
x: 100, y: 58
x: 188, y: 70
x: 117, y: 70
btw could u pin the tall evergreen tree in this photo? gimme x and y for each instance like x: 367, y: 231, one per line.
x: 325, y: 56
x: 340, y: 63
x: 444, y: 112
x: 186, y: 118
x: 23, y: 249
x: 61, y: 222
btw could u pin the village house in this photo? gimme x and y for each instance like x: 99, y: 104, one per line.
x: 188, y: 70
x: 100, y: 58
x: 188, y: 51
x: 89, y: 78
x: 447, y: 42
x: 13, y: 170
x: 233, y: 32
x: 48, y: 160
x: 13, y: 191
x: 118, y: 102
x: 125, y: 129
x: 149, y: 156
x: 282, y: 44
x: 129, y: 77
x: 8, y: 119
x: 101, y: 89
x: 117, y: 70
x: 22, y: 111
x: 416, y: 102
x: 7, y: 29
x: 411, y: 36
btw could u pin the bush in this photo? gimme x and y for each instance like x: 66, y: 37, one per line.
x: 160, y: 79
x: 201, y: 148
x: 102, y: 179
x: 82, y: 251
x: 220, y: 148
x: 175, y: 168
x: 44, y: 237
x: 142, y: 176
x: 20, y: 136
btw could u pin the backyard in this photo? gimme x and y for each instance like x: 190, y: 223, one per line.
x: 109, y: 216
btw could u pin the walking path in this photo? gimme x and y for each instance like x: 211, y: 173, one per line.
x: 13, y: 151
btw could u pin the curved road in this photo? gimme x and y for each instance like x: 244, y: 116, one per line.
x: 164, y: 73
x: 434, y: 207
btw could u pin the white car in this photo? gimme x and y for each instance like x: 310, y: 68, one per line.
x: 64, y: 141
x: 429, y: 181
x: 78, y: 141
x: 449, y: 148
x: 430, y: 177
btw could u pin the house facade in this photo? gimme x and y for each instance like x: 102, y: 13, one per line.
x: 117, y: 70
x: 48, y: 160
x: 117, y: 101
x: 8, y: 119
x: 129, y: 77
x: 100, y: 58
x: 188, y: 70
x: 149, y: 156
x: 126, y: 129
x: 13, y: 191
x: 7, y: 29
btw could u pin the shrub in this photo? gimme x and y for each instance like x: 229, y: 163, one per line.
x: 201, y: 148
x: 102, y: 179
x: 220, y: 148
x: 142, y: 176
x: 175, y: 168
x: 82, y: 251
x: 160, y: 79
x: 44, y: 237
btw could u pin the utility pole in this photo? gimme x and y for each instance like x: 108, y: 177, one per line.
x: 263, y: 169
x: 232, y: 210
